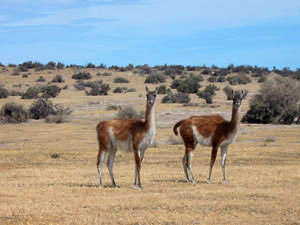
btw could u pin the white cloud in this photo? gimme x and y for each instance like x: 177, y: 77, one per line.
x: 164, y: 15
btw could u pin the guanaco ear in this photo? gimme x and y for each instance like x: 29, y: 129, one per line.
x: 156, y: 90
x: 147, y: 89
x: 232, y: 93
x: 242, y: 94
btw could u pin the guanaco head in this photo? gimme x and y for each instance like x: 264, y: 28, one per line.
x: 238, y: 97
x: 151, y: 96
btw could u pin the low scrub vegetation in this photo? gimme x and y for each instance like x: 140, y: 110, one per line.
x: 176, y: 98
x: 277, y: 102
x: 208, y: 93
x: 44, y: 108
x: 12, y: 112
x: 121, y: 80
x: 82, y: 76
x: 187, y: 85
x: 58, y: 79
x: 239, y: 79
x: 3, y: 92
x: 155, y: 78
x: 129, y: 112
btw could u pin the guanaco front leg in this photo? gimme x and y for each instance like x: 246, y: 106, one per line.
x: 213, y: 156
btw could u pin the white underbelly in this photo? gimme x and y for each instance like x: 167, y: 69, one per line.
x: 204, y: 141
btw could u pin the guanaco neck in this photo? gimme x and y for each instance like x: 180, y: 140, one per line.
x: 235, y: 118
x: 150, y: 116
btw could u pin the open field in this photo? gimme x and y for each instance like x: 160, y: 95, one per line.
x: 48, y: 171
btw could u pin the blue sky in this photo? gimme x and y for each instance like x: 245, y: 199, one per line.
x: 154, y: 32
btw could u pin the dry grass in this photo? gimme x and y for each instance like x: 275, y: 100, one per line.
x: 48, y: 171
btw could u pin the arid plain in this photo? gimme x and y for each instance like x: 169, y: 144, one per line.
x: 263, y: 165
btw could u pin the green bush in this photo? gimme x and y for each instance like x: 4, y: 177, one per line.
x: 162, y: 90
x: 31, y: 93
x: 15, y: 93
x: 60, y: 115
x: 155, y: 78
x: 277, y: 102
x: 79, y: 85
x: 50, y: 91
x: 187, y: 85
x: 128, y: 112
x: 131, y: 90
x: 41, y: 79
x: 98, y: 88
x: 82, y: 76
x: 41, y: 108
x: 3, y: 92
x: 58, y: 79
x: 208, y: 93
x: 13, y: 113
x: 228, y: 91
x: 262, y: 79
x: 239, y: 79
x: 120, y: 90
x: 176, y: 98
x: 121, y: 80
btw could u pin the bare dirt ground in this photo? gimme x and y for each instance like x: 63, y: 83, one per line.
x: 48, y: 171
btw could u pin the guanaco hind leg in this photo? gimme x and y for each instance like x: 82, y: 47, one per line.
x: 188, y: 164
x: 100, y: 161
x: 110, y: 164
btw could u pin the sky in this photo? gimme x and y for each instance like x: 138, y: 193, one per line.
x: 155, y: 32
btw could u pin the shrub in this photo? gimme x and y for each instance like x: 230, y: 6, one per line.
x: 15, y: 73
x: 105, y: 74
x: 79, y: 85
x: 162, y: 90
x: 60, y: 65
x: 25, y: 75
x: 131, y: 90
x: 262, y: 79
x: 113, y: 107
x: 221, y: 79
x: 128, y: 112
x: 188, y: 85
x: 13, y: 113
x: 3, y: 92
x: 277, y: 102
x: 228, y: 91
x: 155, y: 78
x: 206, y: 72
x: 15, y: 93
x: 121, y: 80
x: 90, y: 65
x: 50, y: 91
x: 239, y: 79
x: 41, y: 79
x: 208, y: 93
x: 58, y: 79
x: 176, y: 98
x: 44, y: 108
x: 120, y: 90
x: 98, y: 88
x: 50, y: 66
x: 82, y: 76
x: 41, y: 108
x: 212, y: 79
x: 31, y: 93
x: 60, y: 115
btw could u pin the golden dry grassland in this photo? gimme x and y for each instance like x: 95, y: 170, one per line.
x: 48, y: 171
